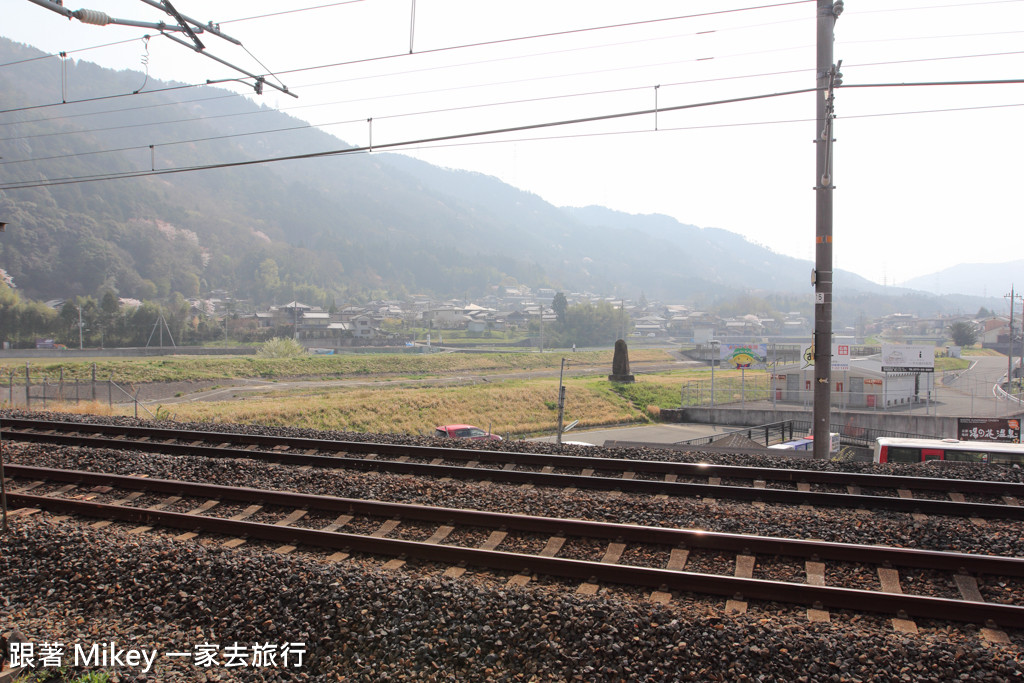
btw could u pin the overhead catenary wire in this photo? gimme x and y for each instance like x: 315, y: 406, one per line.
x: 459, y: 108
x: 436, y: 50
x: 69, y: 52
x: 707, y: 126
x: 378, y: 76
x: 434, y: 91
x: 379, y: 117
x: 292, y: 11
x: 434, y: 68
x: 378, y: 147
x: 386, y: 116
x: 477, y: 134
x: 551, y: 34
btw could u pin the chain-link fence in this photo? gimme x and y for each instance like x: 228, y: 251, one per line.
x: 730, y: 390
x: 34, y: 388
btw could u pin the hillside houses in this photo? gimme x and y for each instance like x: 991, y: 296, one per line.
x: 511, y: 309
x: 506, y: 310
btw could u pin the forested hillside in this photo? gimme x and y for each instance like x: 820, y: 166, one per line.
x: 337, y: 228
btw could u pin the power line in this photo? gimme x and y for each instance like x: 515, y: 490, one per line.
x: 291, y: 11
x: 100, y: 98
x: 407, y: 114
x: 359, y: 120
x: 444, y: 49
x: 931, y: 7
x: 64, y: 53
x: 552, y: 34
x: 455, y: 66
x: 402, y: 73
x: 370, y: 148
x: 477, y: 106
x: 407, y: 94
x: 66, y: 117
x: 1005, y: 81
x: 334, y: 123
x: 712, y: 126
x: 428, y: 143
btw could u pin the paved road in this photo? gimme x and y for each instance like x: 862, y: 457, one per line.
x: 973, y: 394
x: 662, y: 433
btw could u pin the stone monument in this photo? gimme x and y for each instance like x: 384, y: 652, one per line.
x: 620, y: 364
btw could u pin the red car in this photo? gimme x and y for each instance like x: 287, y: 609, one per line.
x: 465, y: 432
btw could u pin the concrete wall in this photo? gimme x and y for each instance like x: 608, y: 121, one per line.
x: 75, y: 354
x: 844, y: 420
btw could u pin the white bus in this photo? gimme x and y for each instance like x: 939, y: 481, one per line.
x: 949, y: 450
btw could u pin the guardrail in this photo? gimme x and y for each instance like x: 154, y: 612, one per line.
x: 780, y: 432
x: 1003, y: 394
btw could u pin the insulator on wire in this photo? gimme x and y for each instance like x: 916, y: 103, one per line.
x: 91, y: 16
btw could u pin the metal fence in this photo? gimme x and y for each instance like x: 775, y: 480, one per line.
x: 33, y: 388
x: 725, y: 390
x: 760, y: 386
x: 787, y: 430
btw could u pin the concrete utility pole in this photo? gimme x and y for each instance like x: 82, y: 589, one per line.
x: 561, y: 403
x: 1009, y: 351
x: 828, y: 77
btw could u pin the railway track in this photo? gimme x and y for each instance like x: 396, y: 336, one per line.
x: 916, y: 495
x: 347, y: 526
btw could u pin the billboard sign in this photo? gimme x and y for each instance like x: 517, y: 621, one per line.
x: 748, y: 356
x: 703, y: 335
x: 988, y: 429
x: 908, y: 358
x: 840, y: 356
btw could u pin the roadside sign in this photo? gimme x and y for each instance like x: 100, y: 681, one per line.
x: 840, y: 356
x: 988, y: 429
x: 908, y: 358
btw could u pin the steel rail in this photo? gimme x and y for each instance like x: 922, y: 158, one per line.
x: 642, y: 486
x: 18, y: 429
x: 821, y: 597
x: 630, y: 533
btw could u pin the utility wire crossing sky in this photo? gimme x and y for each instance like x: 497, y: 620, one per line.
x: 700, y: 110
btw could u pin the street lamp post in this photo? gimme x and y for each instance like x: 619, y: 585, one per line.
x: 561, y: 403
x: 714, y: 356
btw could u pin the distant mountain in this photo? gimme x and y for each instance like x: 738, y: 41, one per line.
x: 332, y: 228
x: 976, y: 279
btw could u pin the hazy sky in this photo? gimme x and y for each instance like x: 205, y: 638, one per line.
x: 927, y: 176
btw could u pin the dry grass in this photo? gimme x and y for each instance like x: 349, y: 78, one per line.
x: 190, y: 368
x: 510, y: 407
x: 513, y: 407
x: 978, y: 351
x: 80, y: 407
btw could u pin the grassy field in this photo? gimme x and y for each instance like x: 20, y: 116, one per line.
x: 518, y: 406
x: 944, y: 364
x: 512, y: 407
x: 978, y: 351
x: 186, y: 368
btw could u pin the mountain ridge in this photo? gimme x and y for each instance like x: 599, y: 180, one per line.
x: 342, y: 226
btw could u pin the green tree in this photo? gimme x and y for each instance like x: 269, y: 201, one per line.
x: 280, y: 347
x: 268, y: 278
x: 559, y: 304
x: 963, y: 333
